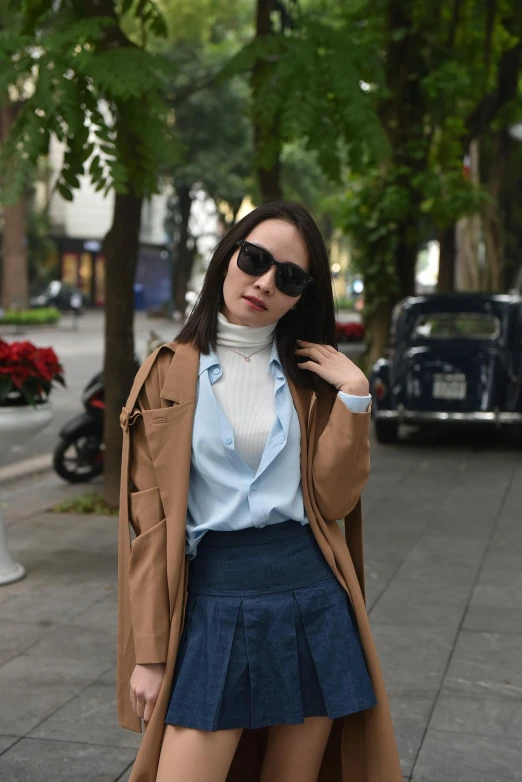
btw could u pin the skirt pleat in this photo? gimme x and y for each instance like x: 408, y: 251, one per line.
x: 274, y: 655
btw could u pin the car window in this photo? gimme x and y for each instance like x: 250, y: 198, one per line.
x: 456, y: 325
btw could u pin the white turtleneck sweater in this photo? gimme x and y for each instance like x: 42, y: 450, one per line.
x: 245, y: 392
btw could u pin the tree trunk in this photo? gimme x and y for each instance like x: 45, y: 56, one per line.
x: 120, y: 247
x: 405, y: 264
x: 269, y: 180
x: 493, y: 227
x: 468, y: 235
x: 183, y: 254
x: 378, y: 330
x: 448, y: 249
x: 267, y: 142
x: 15, y: 288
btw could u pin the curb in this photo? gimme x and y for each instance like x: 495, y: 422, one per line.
x: 26, y: 467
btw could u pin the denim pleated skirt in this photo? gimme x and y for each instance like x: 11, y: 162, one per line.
x: 270, y: 636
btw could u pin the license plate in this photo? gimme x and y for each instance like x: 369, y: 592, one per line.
x: 449, y: 386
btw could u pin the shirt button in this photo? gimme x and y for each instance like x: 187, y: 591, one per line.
x: 228, y: 440
x: 216, y: 371
x: 254, y: 487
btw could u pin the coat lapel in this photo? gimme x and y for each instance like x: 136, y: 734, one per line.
x: 182, y: 375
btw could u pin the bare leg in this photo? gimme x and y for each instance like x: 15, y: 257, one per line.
x: 189, y: 755
x: 294, y: 752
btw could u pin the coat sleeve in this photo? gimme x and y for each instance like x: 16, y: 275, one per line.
x: 147, y: 571
x: 341, y: 461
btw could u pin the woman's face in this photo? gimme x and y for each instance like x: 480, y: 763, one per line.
x: 284, y: 241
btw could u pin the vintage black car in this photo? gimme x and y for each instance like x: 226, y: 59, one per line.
x: 453, y: 358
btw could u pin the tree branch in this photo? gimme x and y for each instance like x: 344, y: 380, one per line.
x: 506, y: 90
x: 455, y: 19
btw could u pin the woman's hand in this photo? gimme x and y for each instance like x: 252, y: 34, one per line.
x: 334, y: 367
x: 145, y: 685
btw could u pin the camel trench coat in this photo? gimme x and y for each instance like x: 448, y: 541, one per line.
x: 157, y: 423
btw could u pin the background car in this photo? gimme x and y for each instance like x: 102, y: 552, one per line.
x: 453, y: 358
x: 61, y: 295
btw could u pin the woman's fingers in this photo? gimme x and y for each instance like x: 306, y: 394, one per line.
x: 145, y: 685
x: 148, y: 709
x: 333, y: 366
x: 313, y: 352
x: 140, y: 705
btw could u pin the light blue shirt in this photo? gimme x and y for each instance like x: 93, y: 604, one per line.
x: 224, y: 493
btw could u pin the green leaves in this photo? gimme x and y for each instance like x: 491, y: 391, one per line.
x: 81, y: 88
x: 309, y: 88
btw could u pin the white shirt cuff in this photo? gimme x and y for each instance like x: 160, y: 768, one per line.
x: 357, y: 404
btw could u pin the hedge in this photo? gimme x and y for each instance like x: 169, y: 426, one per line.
x: 36, y: 317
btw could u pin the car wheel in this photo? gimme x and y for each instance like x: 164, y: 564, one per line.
x: 386, y: 431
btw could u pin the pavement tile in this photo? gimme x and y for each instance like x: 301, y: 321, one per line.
x: 431, y: 583
x: 502, y: 559
x: 498, y: 587
x: 449, y: 525
x: 463, y: 757
x: 53, y: 602
x: 377, y: 576
x: 126, y: 775
x: 90, y: 717
x: 493, y: 619
x: 392, y: 552
x: 448, y: 551
x: 416, y: 612
x: 77, y: 642
x: 408, y: 735
x: 109, y: 677
x: 58, y: 761
x: 16, y: 637
x: 102, y: 614
x: 410, y: 713
x: 507, y: 537
x: 495, y: 604
x: 414, y: 659
x: 485, y: 716
x: 34, y: 687
x: 485, y: 665
x: 6, y: 742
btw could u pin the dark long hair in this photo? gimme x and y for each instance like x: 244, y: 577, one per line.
x: 312, y: 320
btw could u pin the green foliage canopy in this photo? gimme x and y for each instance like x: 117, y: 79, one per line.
x: 78, y: 77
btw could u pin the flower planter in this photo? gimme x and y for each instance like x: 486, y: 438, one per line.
x: 18, y: 423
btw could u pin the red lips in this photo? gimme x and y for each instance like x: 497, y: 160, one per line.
x: 256, y: 301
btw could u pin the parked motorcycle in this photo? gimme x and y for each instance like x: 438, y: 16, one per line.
x: 78, y: 457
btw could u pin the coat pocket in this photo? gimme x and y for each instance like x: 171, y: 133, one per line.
x: 146, y: 508
x: 149, y: 597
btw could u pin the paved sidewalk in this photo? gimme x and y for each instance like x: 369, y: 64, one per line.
x: 443, y: 551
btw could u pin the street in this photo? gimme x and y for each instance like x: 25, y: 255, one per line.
x: 81, y: 354
x: 443, y: 543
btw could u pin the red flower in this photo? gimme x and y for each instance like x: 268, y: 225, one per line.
x: 28, y: 370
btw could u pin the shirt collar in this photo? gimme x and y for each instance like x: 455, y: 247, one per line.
x: 275, y: 362
x: 211, y: 360
x: 208, y: 361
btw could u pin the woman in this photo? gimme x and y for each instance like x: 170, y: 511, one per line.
x: 245, y: 440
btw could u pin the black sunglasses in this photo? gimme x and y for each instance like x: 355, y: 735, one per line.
x: 291, y: 279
